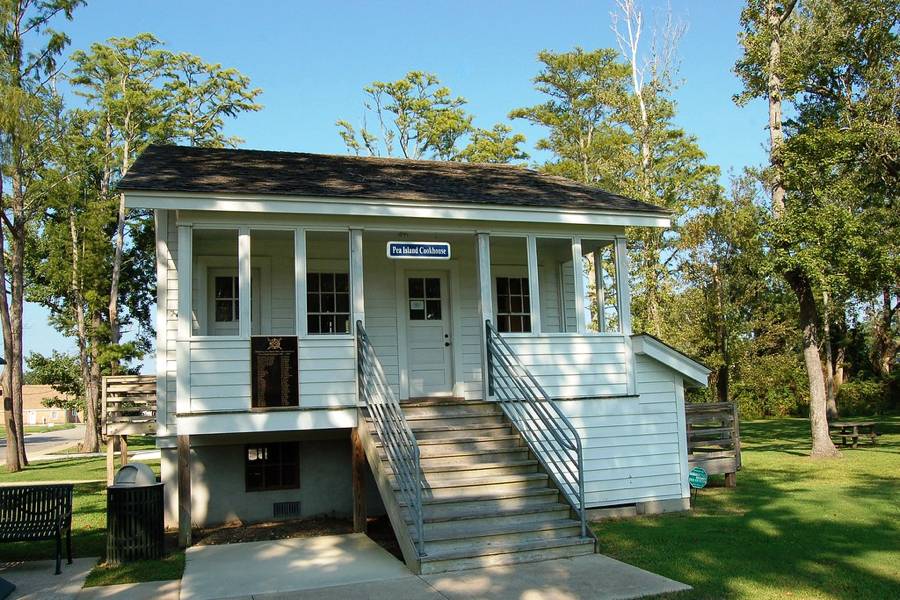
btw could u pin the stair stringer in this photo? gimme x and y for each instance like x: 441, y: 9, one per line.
x: 388, y: 497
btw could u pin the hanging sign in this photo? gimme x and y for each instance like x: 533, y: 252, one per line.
x: 428, y: 250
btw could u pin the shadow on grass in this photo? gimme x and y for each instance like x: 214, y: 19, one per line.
x: 794, y: 526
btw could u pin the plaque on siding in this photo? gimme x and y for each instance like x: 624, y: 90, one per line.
x: 274, y: 371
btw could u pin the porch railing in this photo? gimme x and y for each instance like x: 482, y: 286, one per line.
x: 548, y: 433
x: 397, y: 438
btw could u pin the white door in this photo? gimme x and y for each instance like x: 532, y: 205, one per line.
x: 428, y: 329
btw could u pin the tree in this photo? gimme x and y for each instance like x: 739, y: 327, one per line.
x: 94, y: 268
x: 416, y: 116
x: 665, y: 166
x: 24, y: 88
x: 494, y: 146
x: 584, y: 114
x: 833, y: 165
x: 60, y: 371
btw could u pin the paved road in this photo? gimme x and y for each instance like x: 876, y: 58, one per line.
x: 38, y: 444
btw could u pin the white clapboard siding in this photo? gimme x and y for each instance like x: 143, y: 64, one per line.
x: 631, y: 444
x: 381, y: 312
x: 572, y: 366
x: 220, y: 374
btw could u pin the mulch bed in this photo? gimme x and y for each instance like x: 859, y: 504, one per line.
x: 379, y: 529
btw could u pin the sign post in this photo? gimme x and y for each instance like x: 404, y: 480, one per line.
x: 697, y: 478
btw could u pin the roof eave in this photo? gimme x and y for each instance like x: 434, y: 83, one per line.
x: 388, y: 207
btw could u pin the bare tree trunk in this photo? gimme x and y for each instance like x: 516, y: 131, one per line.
x: 830, y: 385
x: 92, y: 391
x: 822, y: 446
x: 89, y: 442
x: 884, y: 344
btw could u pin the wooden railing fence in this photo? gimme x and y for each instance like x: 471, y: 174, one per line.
x: 129, y: 408
x: 713, y: 439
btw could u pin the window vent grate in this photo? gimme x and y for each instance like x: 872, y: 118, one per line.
x: 286, y: 509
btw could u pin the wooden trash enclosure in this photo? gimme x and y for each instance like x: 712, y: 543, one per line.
x: 713, y: 439
x: 129, y: 408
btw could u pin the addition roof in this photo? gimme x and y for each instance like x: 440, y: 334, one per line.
x: 254, y: 172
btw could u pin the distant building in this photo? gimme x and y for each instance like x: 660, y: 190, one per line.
x: 34, y: 411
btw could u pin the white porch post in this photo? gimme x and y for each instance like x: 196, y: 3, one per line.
x: 245, y: 307
x: 624, y: 292
x: 357, y: 293
x: 580, y: 291
x: 183, y: 345
x: 183, y: 377
x: 485, y: 302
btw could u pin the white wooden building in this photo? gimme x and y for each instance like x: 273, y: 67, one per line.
x: 267, y: 261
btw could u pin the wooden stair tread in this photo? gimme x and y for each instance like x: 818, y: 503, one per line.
x: 513, y: 548
x: 499, y: 512
x: 473, y: 531
x: 488, y: 480
x: 523, y: 493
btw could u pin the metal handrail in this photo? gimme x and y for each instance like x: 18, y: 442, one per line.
x: 548, y: 433
x: 397, y: 438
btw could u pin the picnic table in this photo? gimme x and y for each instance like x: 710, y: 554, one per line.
x: 854, y: 430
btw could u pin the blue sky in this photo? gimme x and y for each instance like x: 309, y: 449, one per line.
x: 312, y: 60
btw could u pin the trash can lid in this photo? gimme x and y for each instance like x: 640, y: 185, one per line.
x: 134, y: 474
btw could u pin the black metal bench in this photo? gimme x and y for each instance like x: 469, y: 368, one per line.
x: 37, y: 512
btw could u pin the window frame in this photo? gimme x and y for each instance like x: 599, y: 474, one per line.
x: 291, y: 448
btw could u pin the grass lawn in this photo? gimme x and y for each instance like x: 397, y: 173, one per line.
x: 794, y: 527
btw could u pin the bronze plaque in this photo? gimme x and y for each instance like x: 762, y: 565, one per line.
x: 274, y: 371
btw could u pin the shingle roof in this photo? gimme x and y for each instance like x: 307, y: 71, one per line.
x: 255, y: 172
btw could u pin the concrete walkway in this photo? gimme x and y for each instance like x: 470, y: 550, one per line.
x: 344, y: 566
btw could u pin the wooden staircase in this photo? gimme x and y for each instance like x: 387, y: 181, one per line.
x: 486, y: 501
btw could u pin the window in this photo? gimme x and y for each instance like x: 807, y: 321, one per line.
x: 512, y: 296
x: 328, y: 302
x: 513, y: 305
x: 227, y: 303
x: 424, y: 299
x: 272, y: 466
x: 327, y: 282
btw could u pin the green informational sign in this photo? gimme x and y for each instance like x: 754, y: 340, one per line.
x: 697, y: 477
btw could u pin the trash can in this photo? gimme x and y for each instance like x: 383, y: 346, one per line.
x: 134, y: 515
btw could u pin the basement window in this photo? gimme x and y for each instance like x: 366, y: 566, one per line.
x: 272, y: 466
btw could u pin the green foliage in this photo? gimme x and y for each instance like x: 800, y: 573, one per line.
x: 587, y: 99
x: 866, y: 397
x: 61, y: 371
x: 418, y: 118
x: 494, y: 146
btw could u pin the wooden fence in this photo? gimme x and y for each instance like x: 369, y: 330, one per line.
x: 713, y: 439
x: 129, y: 408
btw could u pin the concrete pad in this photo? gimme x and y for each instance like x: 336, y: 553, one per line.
x: 251, y: 569
x: 153, y: 590
x: 594, y: 577
x: 35, y: 580
x: 407, y: 588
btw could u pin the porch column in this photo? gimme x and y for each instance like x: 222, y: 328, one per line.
x: 183, y: 344
x: 624, y: 292
x: 485, y: 302
x: 357, y: 293
x: 359, y: 481
x: 184, y: 491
